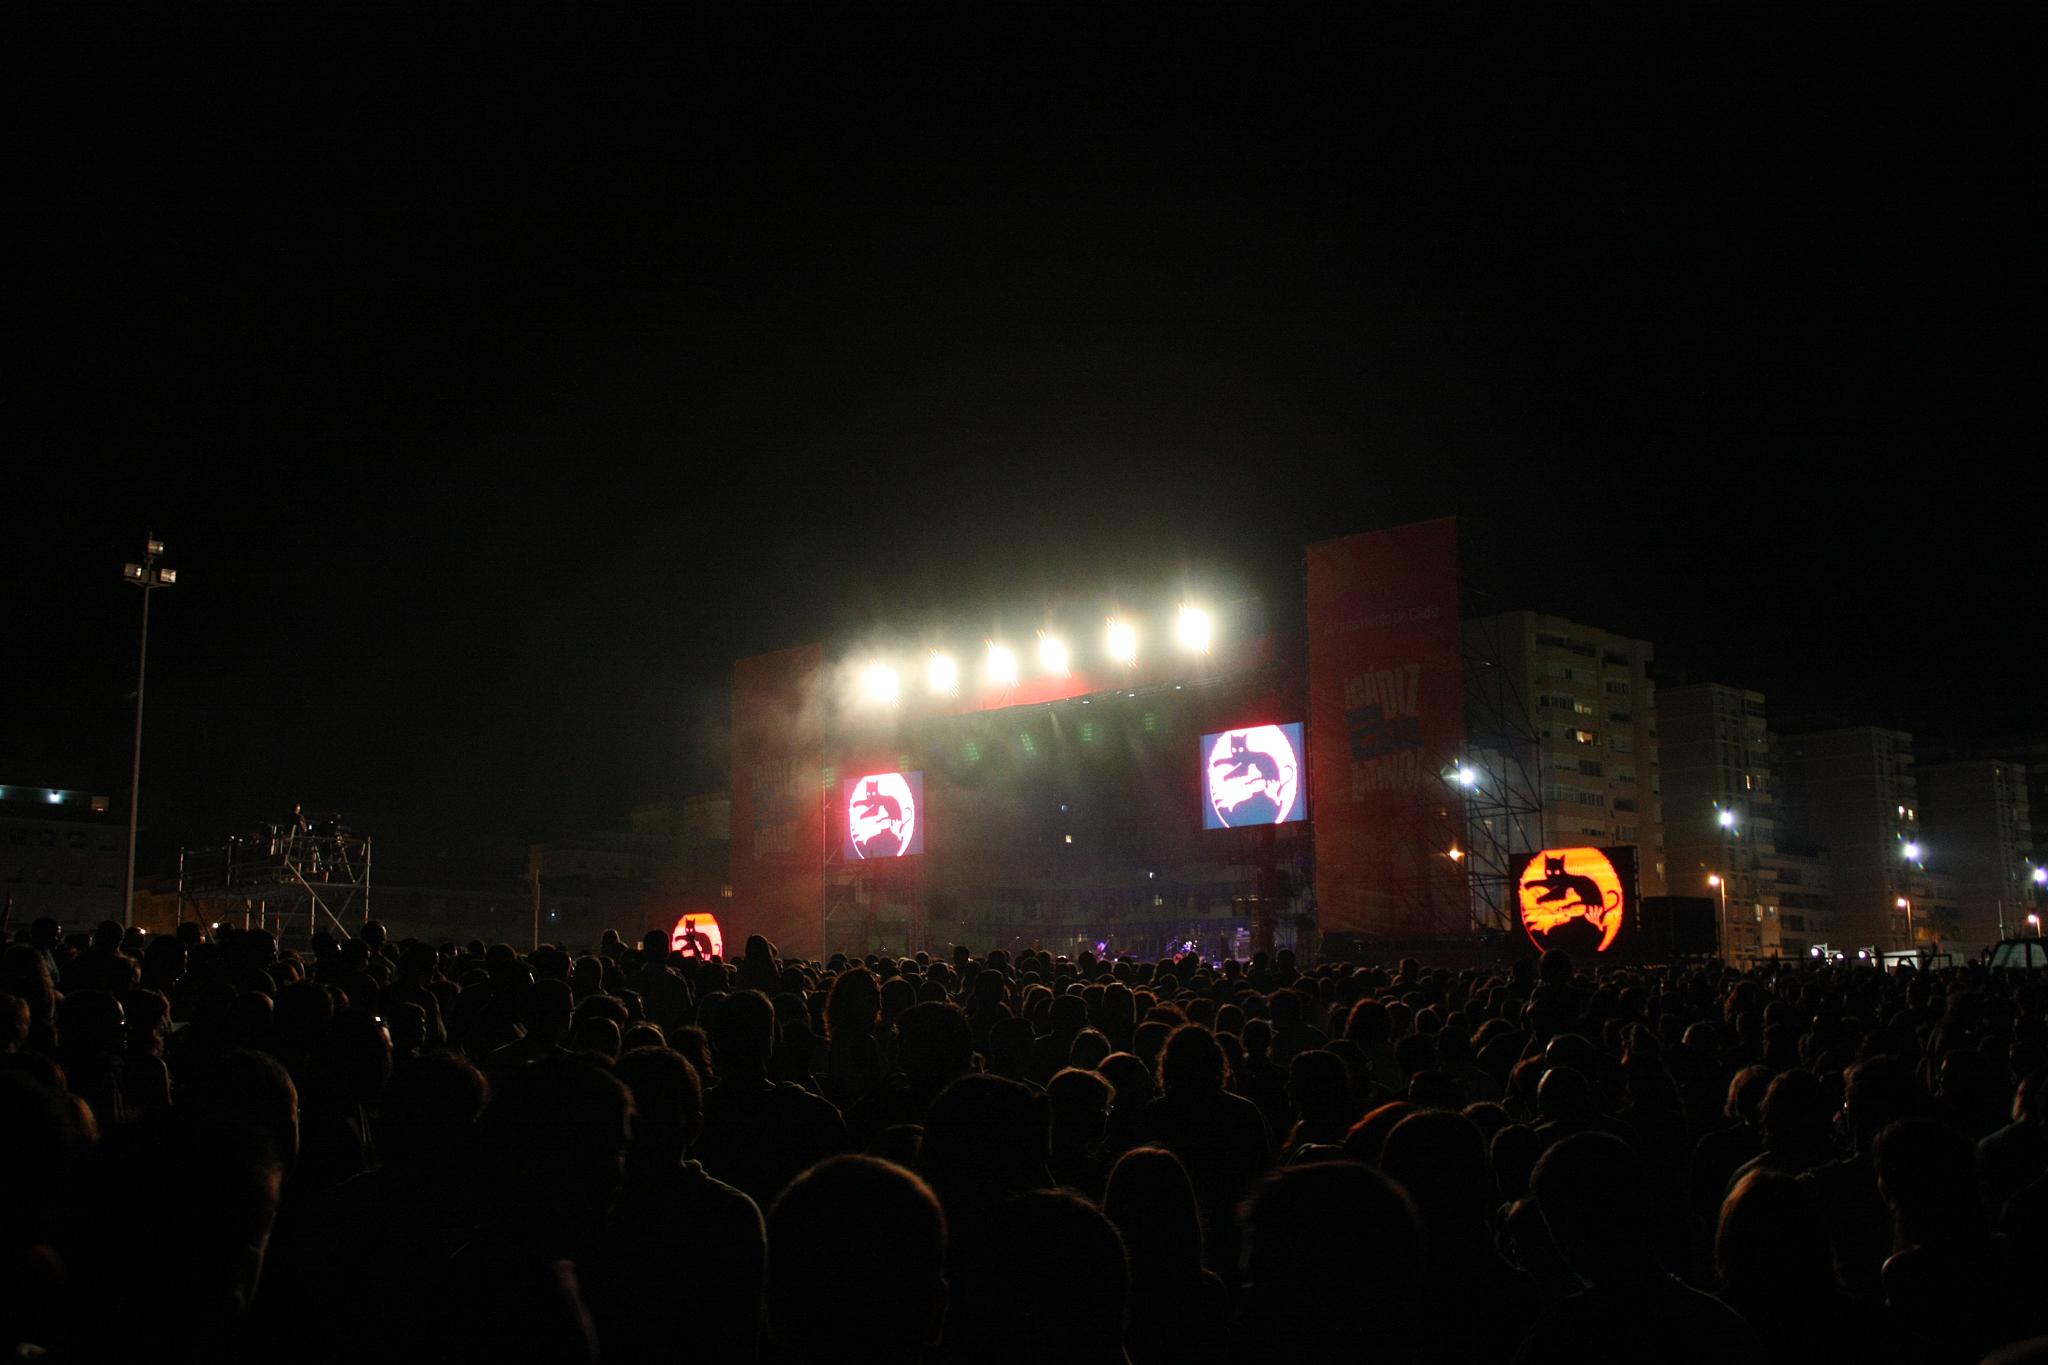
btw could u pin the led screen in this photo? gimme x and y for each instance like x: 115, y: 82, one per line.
x: 1577, y: 899
x: 1253, y: 776
x: 884, y: 815
x: 697, y: 935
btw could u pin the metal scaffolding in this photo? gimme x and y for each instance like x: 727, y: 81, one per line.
x: 1504, y: 804
x: 281, y: 872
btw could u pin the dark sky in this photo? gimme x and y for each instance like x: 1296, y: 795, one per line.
x: 498, y: 373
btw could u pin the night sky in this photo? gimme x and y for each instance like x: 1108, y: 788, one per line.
x: 498, y: 374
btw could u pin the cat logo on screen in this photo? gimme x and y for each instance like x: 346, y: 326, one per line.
x: 1572, y: 898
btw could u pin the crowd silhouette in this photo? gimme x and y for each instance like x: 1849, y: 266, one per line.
x: 391, y: 1151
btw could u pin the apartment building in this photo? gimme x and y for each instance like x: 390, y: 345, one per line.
x: 1585, y: 696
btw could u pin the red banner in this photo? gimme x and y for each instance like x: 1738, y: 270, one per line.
x: 1386, y: 731
x: 778, y: 838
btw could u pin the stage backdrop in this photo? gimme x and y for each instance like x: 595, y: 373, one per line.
x: 1386, y: 723
x: 778, y: 802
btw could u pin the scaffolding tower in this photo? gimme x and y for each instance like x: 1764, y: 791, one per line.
x: 280, y: 873
x: 1504, y: 802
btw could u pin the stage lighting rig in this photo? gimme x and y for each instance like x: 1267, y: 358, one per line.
x: 1052, y: 654
x: 944, y: 675
x: 1195, y: 629
x: 879, y: 682
x: 1002, y: 665
x: 1123, y: 642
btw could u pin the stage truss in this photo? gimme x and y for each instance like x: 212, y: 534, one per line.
x: 1504, y: 805
x: 279, y: 874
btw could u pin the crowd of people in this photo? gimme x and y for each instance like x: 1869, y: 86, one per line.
x: 378, y: 1150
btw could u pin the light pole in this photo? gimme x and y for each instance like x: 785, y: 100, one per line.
x: 1724, y: 817
x: 1909, y: 853
x: 1715, y: 879
x: 149, y: 575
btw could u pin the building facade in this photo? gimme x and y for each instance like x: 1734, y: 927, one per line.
x: 1587, y: 702
x: 1977, y: 818
x: 1720, y: 809
x: 63, y: 854
x: 1852, y: 793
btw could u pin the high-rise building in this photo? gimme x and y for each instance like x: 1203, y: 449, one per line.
x: 1804, y: 914
x: 1851, y: 792
x: 1976, y: 816
x: 1720, y: 814
x: 1585, y: 698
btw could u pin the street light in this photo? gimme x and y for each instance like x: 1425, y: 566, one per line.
x: 148, y: 575
x: 1906, y: 904
x: 2034, y: 921
x: 1716, y: 880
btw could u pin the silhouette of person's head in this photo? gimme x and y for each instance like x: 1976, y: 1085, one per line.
x: 209, y: 1191
x: 426, y: 1118
x: 1772, y: 1243
x: 854, y: 1006
x: 1440, y: 1159
x: 668, y: 1104
x: 1327, y: 1242
x: 1051, y: 1282
x: 1564, y: 1095
x: 935, y: 1043
x: 13, y: 1022
x: 1369, y: 1134
x: 1152, y: 1202
x: 850, y: 1236
x: 1512, y: 1156
x: 1132, y: 1078
x: 1192, y: 1063
x: 557, y: 1132
x: 1745, y: 1102
x: 1594, y: 1199
x: 1795, y: 1113
x: 1080, y: 1102
x: 985, y: 1139
x: 1320, y: 1088
x: 244, y: 1089
x: 1927, y: 1173
x: 742, y: 1031
x: 90, y: 1022
x: 1876, y: 1093
x: 549, y: 1009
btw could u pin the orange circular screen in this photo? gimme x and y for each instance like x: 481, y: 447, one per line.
x: 1571, y: 898
x: 697, y: 936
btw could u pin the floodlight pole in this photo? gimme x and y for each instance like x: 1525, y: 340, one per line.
x: 147, y: 575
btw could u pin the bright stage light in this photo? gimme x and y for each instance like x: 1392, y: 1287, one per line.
x: 879, y: 682
x: 1123, y: 642
x: 1467, y: 777
x: 1903, y: 904
x: 1912, y: 851
x: 944, y: 675
x: 2041, y: 876
x: 1052, y: 654
x: 1002, y: 665
x: 1194, y: 629
x: 1713, y: 879
x: 1726, y: 819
